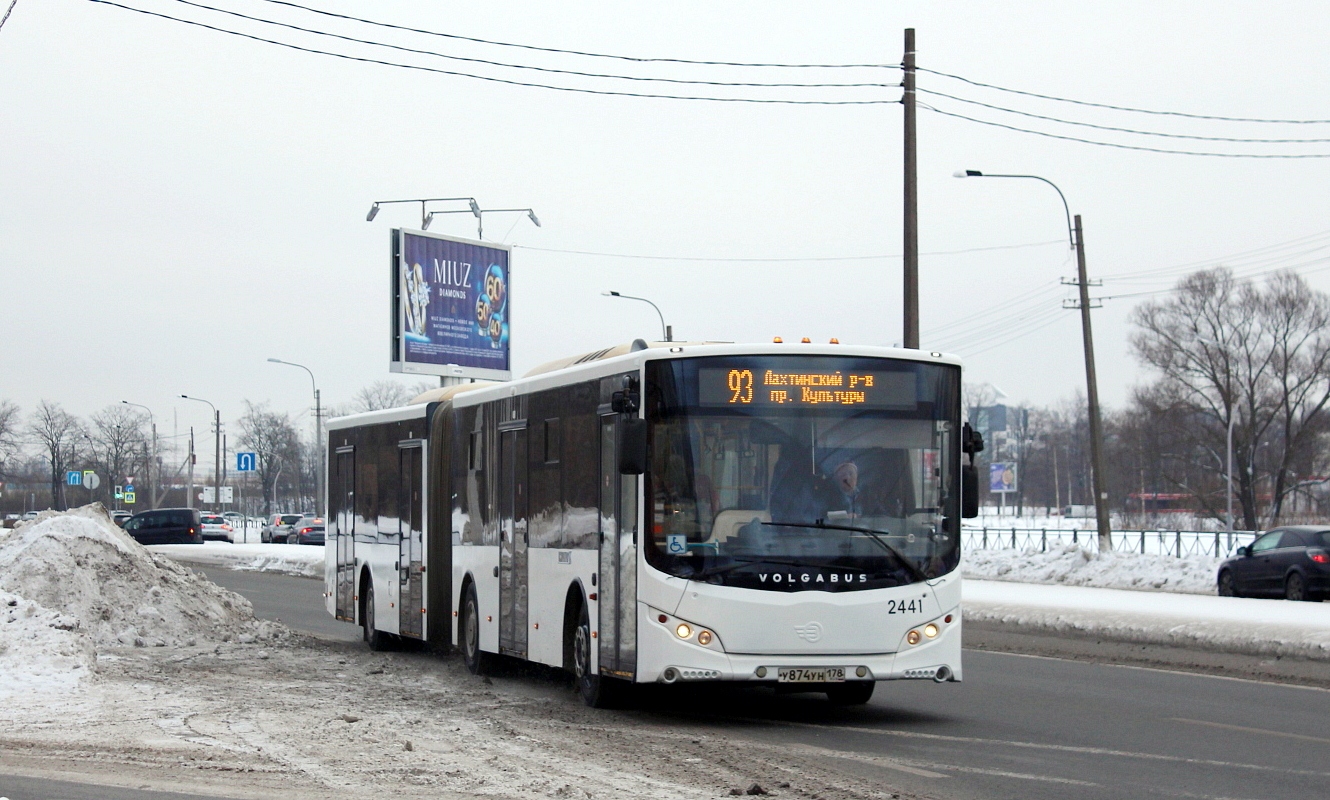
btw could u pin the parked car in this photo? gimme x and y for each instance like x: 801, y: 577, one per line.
x: 166, y: 526
x: 121, y: 517
x: 216, y: 528
x: 1291, y: 562
x: 308, y: 530
x: 29, y: 516
x: 278, y: 527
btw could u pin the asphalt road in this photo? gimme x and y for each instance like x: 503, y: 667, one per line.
x: 1018, y: 727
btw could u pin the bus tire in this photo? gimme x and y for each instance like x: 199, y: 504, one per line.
x: 596, y: 691
x: 477, y: 661
x: 375, y: 638
x: 851, y: 693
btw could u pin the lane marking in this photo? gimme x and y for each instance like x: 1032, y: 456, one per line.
x: 1157, y: 669
x: 1245, y: 729
x: 877, y: 761
x: 1061, y: 748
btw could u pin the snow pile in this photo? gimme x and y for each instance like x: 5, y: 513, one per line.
x: 72, y: 583
x: 1226, y: 624
x: 287, y: 559
x: 1076, y: 565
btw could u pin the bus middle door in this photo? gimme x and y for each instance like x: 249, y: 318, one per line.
x: 513, y: 589
x: 618, y: 560
x: 411, y: 529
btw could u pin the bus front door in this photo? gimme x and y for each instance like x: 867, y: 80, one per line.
x: 344, y: 529
x: 513, y: 542
x: 411, y: 529
x: 617, y: 592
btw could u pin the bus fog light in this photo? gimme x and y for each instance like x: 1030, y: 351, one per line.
x: 683, y: 631
x: 704, y: 637
x: 912, y: 637
x: 761, y: 672
x: 861, y: 672
x: 930, y: 630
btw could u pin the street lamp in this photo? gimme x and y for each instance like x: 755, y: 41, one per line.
x: 665, y: 330
x: 318, y: 434
x: 152, y: 487
x: 1077, y: 237
x: 217, y: 452
x: 424, y: 217
x: 480, y: 224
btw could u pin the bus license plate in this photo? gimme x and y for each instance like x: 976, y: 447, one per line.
x: 811, y: 675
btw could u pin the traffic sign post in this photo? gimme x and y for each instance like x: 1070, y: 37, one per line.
x: 129, y: 498
x: 91, y: 480
x: 247, y: 462
x: 74, y: 478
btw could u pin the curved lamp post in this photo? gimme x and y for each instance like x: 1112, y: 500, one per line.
x: 318, y: 434
x: 152, y: 487
x: 664, y: 329
x: 217, y: 452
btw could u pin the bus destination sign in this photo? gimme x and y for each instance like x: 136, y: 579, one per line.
x: 740, y: 386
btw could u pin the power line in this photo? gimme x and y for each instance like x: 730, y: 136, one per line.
x: 1127, y: 108
x: 506, y: 81
x: 1109, y: 144
x: 712, y: 259
x: 533, y: 68
x: 635, y: 59
x: 8, y: 11
x: 1120, y: 130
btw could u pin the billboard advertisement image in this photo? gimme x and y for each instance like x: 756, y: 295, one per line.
x: 1002, y: 476
x: 452, y: 314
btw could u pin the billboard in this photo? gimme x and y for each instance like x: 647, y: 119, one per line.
x: 451, y: 306
x: 1002, y: 476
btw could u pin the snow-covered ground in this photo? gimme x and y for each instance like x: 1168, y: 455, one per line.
x: 1079, y: 565
x: 1231, y: 624
x: 288, y: 559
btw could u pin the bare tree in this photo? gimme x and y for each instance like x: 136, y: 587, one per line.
x: 60, y: 435
x: 119, y: 442
x: 11, y: 442
x: 1231, y: 352
x: 386, y: 394
x: 273, y: 439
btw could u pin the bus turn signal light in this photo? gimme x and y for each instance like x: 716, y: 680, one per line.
x: 912, y: 637
x: 704, y: 637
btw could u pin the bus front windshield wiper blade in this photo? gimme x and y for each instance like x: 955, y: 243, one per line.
x: 910, y: 567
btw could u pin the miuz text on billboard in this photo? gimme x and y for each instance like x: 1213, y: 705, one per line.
x: 452, y: 313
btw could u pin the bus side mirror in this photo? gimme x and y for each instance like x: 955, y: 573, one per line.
x: 632, y: 446
x: 969, y: 491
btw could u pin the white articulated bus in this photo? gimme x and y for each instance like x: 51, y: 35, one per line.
x: 784, y: 514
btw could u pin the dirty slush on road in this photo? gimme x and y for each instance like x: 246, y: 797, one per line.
x: 124, y: 668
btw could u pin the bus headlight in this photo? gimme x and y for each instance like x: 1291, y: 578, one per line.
x: 684, y: 630
x: 930, y: 630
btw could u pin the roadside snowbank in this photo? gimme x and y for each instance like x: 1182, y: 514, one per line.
x: 73, y: 584
x: 1231, y: 624
x: 288, y: 559
x: 1075, y: 565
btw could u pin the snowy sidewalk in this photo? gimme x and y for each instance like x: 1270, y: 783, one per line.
x: 1232, y: 624
x: 288, y: 559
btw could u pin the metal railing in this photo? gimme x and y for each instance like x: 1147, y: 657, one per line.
x: 1176, y: 543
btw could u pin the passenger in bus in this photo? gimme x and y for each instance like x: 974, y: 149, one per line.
x: 799, y: 493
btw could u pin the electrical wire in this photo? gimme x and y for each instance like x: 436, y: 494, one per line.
x: 719, y: 260
x: 1126, y: 108
x: 8, y: 11
x: 494, y: 80
x: 533, y: 68
x: 578, y: 52
x: 1133, y: 131
x: 491, y: 79
x: 1108, y: 144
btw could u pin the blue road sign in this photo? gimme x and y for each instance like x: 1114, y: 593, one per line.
x: 129, y: 487
x: 247, y: 462
x: 74, y: 478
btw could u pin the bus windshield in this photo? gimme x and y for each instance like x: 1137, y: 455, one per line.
x: 792, y: 473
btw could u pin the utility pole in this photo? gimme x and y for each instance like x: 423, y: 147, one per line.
x: 321, y: 470
x: 911, y: 249
x: 217, y: 460
x: 190, y: 504
x: 1092, y: 390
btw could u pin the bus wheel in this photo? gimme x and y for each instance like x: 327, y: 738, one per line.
x: 596, y: 691
x: 852, y: 693
x: 375, y: 638
x: 468, y: 632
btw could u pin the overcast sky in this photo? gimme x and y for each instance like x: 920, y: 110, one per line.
x: 177, y: 204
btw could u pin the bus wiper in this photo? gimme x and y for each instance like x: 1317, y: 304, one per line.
x: 910, y: 567
x: 747, y: 562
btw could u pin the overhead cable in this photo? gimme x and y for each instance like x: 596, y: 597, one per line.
x: 1128, y: 108
x: 531, y: 67
x: 635, y: 59
x: 491, y: 79
x: 1134, y: 131
x: 714, y: 259
x: 1109, y: 144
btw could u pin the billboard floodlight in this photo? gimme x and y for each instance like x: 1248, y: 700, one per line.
x: 475, y: 208
x: 373, y: 212
x: 532, y: 215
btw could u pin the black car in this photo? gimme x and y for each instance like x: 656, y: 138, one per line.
x: 309, y: 530
x: 166, y: 526
x: 1292, y: 562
